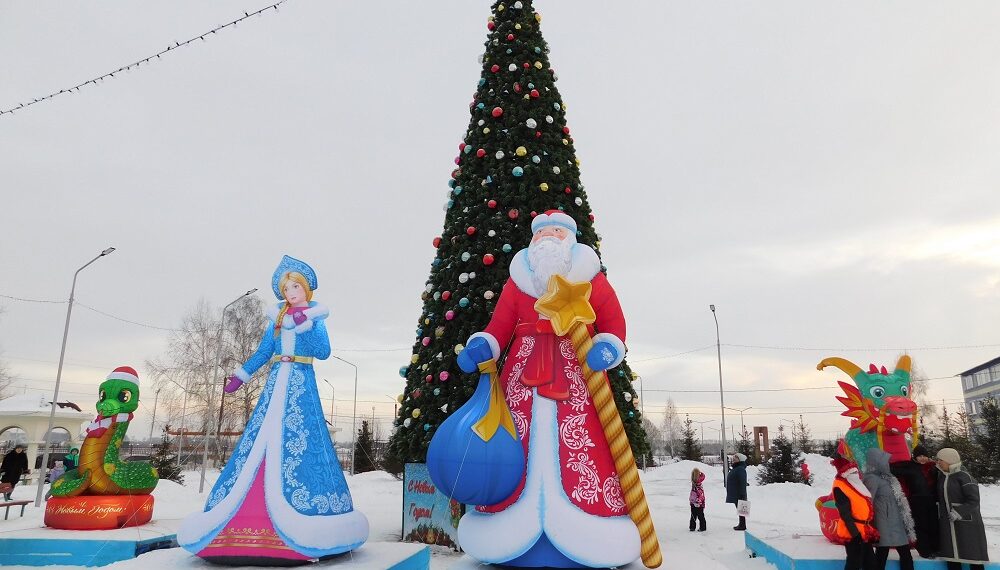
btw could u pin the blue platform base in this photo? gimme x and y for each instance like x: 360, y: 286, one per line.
x: 89, y: 551
x: 813, y: 552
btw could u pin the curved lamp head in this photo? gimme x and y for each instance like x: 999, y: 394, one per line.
x: 712, y: 307
x: 108, y: 251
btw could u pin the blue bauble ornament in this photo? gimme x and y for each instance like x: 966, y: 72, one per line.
x: 480, y: 106
x: 458, y: 189
x: 467, y: 468
x: 482, y: 81
x: 451, y: 183
x: 437, y: 295
x: 436, y: 262
x: 506, y: 248
x: 463, y: 302
x: 403, y: 370
x: 489, y: 179
x: 631, y: 414
x: 437, y: 391
x: 518, y: 171
x: 451, y: 203
x: 466, y: 256
x: 427, y: 427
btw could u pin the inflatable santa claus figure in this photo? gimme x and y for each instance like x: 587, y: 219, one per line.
x: 568, y: 510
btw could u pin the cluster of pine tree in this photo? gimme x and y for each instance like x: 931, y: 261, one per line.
x: 164, y: 460
x: 784, y: 465
x: 977, y: 442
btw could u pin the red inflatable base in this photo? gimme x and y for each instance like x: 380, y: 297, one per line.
x: 98, y: 512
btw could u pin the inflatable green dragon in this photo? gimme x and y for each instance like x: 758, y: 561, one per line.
x: 880, y: 409
x: 101, y: 471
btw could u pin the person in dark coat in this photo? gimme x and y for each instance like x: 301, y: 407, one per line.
x: 72, y: 459
x: 962, y: 536
x: 15, y: 464
x: 892, y: 511
x: 923, y: 503
x: 736, y: 486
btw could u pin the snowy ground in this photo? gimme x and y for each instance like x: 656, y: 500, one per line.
x: 781, y: 510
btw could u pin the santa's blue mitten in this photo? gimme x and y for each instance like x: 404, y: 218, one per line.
x: 478, y: 350
x: 601, y: 356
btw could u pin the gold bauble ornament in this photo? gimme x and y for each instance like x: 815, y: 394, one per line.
x: 521, y: 151
x: 544, y: 187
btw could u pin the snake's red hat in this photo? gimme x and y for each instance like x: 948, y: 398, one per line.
x: 124, y: 373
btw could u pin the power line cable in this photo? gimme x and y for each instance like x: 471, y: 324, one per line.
x: 110, y: 75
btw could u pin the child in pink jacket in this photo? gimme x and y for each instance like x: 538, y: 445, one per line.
x: 697, y: 500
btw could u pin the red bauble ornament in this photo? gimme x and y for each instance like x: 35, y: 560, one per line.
x: 492, y: 203
x: 461, y: 146
x: 527, y: 65
x: 533, y: 213
x: 534, y: 93
x: 416, y: 393
x: 488, y: 259
x: 566, y: 130
x: 513, y: 214
x: 470, y: 230
x: 494, y: 68
x: 591, y: 216
x: 538, y: 134
x: 429, y: 378
x: 491, y: 26
x: 480, y: 153
x: 437, y: 241
x: 517, y: 88
x: 458, y: 160
x: 510, y: 37
x: 446, y: 295
x: 497, y: 111
x: 567, y: 190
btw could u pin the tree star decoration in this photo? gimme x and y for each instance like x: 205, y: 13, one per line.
x: 566, y: 303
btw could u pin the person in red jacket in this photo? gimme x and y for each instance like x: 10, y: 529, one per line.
x: 805, y: 473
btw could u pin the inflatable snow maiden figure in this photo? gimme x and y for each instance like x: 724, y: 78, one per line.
x: 573, y: 507
x: 282, y: 498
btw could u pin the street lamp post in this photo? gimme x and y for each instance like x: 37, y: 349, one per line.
x: 722, y: 400
x: 791, y: 423
x: 702, y: 422
x: 218, y: 359
x: 742, y: 424
x: 333, y: 396
x: 55, y: 394
x: 152, y: 424
x: 354, y: 416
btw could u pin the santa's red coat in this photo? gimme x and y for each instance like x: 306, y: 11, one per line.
x: 537, y: 358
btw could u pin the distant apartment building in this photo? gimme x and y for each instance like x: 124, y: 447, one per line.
x: 978, y: 383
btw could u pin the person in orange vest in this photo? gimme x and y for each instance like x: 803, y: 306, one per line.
x: 854, y: 504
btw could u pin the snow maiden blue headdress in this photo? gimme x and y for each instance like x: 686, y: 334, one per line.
x: 290, y: 264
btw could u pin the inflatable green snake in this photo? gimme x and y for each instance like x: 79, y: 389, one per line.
x: 101, y: 471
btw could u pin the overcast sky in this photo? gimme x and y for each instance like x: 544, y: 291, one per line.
x: 824, y: 173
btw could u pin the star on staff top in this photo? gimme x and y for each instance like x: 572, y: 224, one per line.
x: 566, y: 303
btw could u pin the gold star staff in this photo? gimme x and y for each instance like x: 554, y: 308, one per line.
x: 567, y: 305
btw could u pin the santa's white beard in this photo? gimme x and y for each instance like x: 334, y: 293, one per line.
x: 547, y: 257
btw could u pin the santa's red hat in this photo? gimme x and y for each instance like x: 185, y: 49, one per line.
x: 554, y: 218
x: 124, y: 373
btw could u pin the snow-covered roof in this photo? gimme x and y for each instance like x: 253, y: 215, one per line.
x: 38, y: 405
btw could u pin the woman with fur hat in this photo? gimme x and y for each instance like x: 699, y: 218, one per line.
x: 962, y: 533
x: 892, y: 511
x: 736, y: 486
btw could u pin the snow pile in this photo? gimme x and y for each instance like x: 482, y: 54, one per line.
x: 779, y: 510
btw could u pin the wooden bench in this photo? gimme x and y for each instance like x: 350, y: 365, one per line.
x: 10, y: 504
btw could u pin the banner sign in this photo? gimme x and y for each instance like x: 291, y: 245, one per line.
x: 428, y: 515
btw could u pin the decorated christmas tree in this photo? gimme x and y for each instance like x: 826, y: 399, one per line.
x: 516, y: 160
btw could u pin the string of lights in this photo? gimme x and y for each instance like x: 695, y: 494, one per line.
x: 138, y: 63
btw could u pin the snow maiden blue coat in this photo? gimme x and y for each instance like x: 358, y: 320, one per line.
x: 284, y: 456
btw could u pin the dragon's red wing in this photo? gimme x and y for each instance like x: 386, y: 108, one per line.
x: 861, y: 411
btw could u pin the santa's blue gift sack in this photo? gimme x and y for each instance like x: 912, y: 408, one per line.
x: 476, y: 456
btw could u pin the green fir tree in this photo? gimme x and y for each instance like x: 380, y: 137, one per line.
x: 364, y: 450
x: 745, y: 446
x: 690, y: 450
x: 987, y: 439
x: 164, y: 460
x: 516, y: 159
x: 784, y: 466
